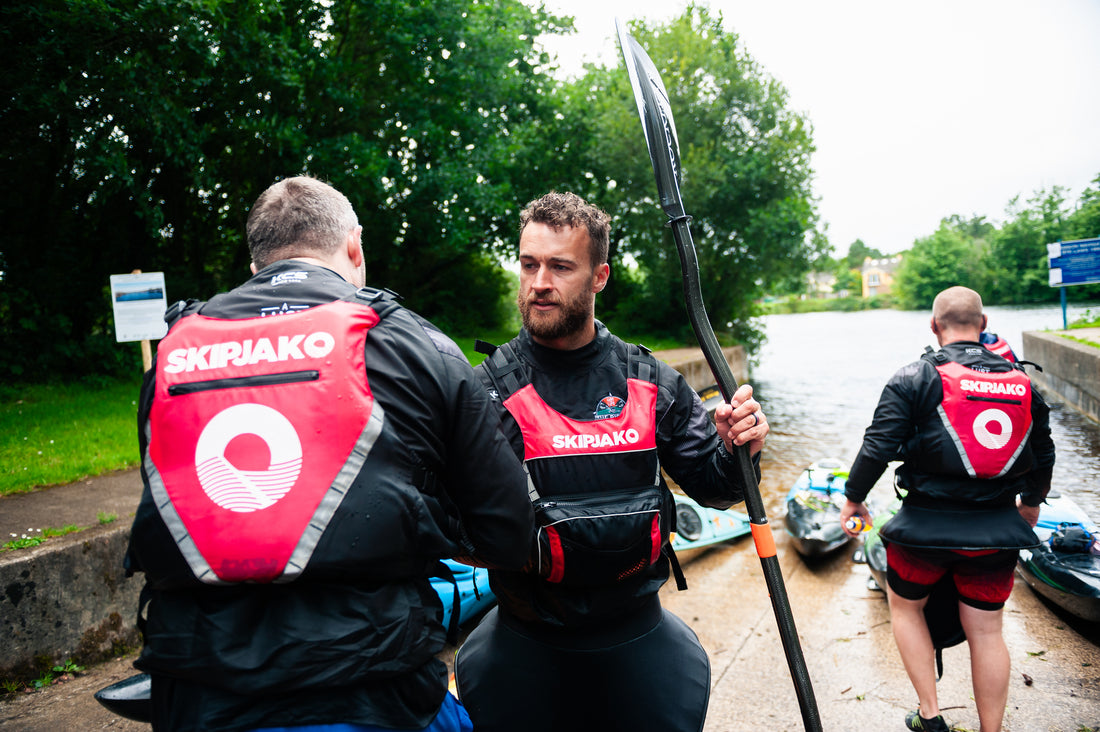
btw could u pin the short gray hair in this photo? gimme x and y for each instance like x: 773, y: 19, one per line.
x: 298, y: 216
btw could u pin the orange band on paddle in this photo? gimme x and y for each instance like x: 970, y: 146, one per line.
x: 764, y: 540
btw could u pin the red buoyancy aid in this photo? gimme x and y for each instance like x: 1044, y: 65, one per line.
x: 988, y: 416
x: 245, y: 470
x: 1001, y: 348
x: 612, y: 523
x: 548, y: 433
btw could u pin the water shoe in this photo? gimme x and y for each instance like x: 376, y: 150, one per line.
x: 914, y: 721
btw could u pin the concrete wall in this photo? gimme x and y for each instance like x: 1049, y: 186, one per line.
x: 1071, y: 371
x: 66, y: 598
x: 693, y: 366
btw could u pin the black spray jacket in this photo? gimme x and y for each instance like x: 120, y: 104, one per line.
x: 345, y: 626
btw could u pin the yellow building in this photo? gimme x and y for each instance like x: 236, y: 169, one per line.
x: 878, y: 275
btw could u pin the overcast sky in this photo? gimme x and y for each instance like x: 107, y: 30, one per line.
x: 919, y: 110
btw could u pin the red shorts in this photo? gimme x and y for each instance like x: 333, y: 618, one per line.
x: 984, y: 578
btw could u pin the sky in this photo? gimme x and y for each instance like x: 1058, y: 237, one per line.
x: 920, y: 110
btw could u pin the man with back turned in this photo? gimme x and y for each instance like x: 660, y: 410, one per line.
x: 974, y: 438
x: 311, y: 450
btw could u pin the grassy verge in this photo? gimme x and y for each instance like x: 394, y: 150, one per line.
x: 1088, y: 319
x: 60, y: 433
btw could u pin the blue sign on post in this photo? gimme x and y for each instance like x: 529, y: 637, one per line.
x: 1073, y: 263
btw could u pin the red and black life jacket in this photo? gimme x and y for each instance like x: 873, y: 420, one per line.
x: 988, y: 416
x: 998, y: 345
x: 245, y: 470
x: 602, y: 510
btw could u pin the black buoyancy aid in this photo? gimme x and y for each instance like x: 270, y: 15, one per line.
x: 602, y: 511
x: 988, y: 416
x: 244, y: 469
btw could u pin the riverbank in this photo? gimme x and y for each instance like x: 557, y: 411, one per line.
x: 1071, y: 367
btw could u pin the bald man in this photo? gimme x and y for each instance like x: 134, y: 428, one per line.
x: 973, y: 436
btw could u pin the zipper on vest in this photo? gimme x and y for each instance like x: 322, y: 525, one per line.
x: 998, y: 400
x: 289, y: 377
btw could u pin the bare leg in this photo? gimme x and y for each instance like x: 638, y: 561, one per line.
x: 989, y: 664
x: 915, y: 646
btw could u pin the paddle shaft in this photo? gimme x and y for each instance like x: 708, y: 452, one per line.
x: 655, y: 113
x: 754, y: 504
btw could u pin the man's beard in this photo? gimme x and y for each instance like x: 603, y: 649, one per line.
x: 570, y: 317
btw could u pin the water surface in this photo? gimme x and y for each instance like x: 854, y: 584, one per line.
x: 820, y: 375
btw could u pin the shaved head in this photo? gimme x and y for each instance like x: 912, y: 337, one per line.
x: 957, y: 314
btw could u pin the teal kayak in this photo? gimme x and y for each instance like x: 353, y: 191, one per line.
x: 813, y: 509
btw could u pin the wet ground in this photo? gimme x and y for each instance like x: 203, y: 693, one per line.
x: 845, y: 636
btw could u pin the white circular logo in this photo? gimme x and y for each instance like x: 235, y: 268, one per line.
x: 988, y: 439
x: 245, y: 489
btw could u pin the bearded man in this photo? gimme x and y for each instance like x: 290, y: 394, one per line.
x: 579, y: 640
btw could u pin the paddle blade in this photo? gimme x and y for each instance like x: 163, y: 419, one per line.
x: 657, y: 122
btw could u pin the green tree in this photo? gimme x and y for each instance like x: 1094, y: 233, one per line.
x: 1017, y: 267
x: 140, y: 131
x: 746, y: 162
x: 944, y: 259
x: 848, y: 279
x: 858, y: 251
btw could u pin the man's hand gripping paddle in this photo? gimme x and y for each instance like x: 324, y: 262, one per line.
x: 664, y: 152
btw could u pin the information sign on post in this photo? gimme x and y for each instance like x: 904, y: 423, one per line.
x: 1073, y: 263
x: 139, y: 303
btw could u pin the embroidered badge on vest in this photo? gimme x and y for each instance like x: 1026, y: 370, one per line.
x: 610, y: 406
x: 257, y: 429
x: 988, y: 416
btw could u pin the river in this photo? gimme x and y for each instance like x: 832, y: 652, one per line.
x: 819, y: 377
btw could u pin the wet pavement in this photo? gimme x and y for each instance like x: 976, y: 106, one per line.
x: 845, y: 635
x: 844, y: 632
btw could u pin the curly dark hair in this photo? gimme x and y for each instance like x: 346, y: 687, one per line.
x: 568, y: 209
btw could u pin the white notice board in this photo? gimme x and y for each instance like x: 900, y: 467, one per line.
x: 139, y: 302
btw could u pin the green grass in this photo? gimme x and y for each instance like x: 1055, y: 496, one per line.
x: 52, y: 434
x: 1087, y: 319
x: 60, y: 433
x: 1082, y: 341
x: 37, y: 536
